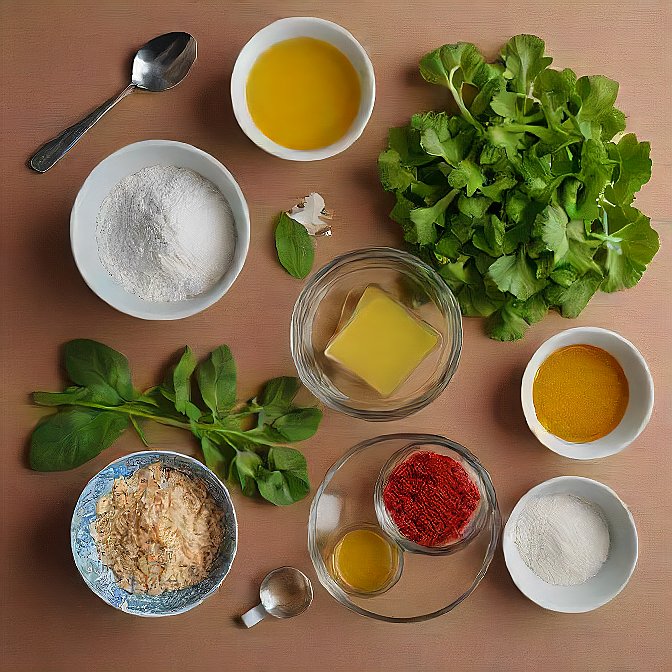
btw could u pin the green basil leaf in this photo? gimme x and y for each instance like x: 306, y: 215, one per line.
x: 218, y: 455
x: 294, y: 246
x: 299, y: 424
x: 247, y: 466
x: 182, y: 383
x: 277, y: 397
x: 100, y: 368
x: 217, y: 381
x: 71, y: 437
x: 281, y: 488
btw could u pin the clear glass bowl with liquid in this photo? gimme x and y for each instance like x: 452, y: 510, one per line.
x: 427, y: 585
x: 328, y: 301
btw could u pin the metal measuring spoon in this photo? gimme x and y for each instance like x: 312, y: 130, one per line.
x: 160, y: 65
x: 285, y: 592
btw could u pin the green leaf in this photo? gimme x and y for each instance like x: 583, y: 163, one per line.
x: 533, y: 310
x: 424, y: 219
x: 216, y: 378
x: 467, y: 175
x: 634, y: 169
x: 286, y: 479
x: 474, y: 207
x: 573, y: 299
x: 495, y: 190
x: 554, y: 88
x: 524, y: 58
x: 103, y: 370
x: 514, y: 273
x: 506, y: 324
x: 449, y: 246
x: 406, y: 142
x: 69, y: 397
x: 217, y: 455
x: 491, y: 238
x: 597, y: 95
x: 295, y: 248
x: 182, y: 384
x: 551, y: 226
x: 393, y: 175
x: 437, y: 140
x: 71, y: 437
x: 629, y: 251
x: 247, y: 466
x: 277, y: 397
x: 299, y: 424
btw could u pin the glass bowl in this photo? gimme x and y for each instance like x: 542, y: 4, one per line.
x: 429, y: 585
x: 327, y: 302
x: 475, y: 471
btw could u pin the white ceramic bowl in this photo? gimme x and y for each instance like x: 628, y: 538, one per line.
x: 640, y: 404
x: 614, y: 573
x: 103, y: 177
x: 319, y: 29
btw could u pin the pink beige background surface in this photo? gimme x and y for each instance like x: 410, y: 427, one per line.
x: 61, y: 59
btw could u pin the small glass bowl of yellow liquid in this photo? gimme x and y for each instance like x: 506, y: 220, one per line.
x: 303, y: 89
x: 365, y: 561
x: 376, y: 334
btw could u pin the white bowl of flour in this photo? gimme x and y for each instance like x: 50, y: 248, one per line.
x: 570, y: 544
x: 160, y: 230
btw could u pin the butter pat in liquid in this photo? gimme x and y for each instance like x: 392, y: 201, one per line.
x: 383, y: 342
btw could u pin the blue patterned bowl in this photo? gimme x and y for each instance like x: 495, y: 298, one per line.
x: 100, y: 578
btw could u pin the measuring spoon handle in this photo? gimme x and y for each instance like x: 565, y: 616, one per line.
x: 47, y: 155
x: 254, y: 616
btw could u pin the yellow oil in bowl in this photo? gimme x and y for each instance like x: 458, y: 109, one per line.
x: 365, y: 562
x: 303, y: 93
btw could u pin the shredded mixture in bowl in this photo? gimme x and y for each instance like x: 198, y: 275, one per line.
x: 158, y: 530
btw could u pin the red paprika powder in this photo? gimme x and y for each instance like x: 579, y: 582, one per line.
x: 431, y: 498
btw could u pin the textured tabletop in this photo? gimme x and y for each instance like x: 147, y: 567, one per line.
x: 61, y: 58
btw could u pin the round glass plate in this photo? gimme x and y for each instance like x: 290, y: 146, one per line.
x: 430, y: 585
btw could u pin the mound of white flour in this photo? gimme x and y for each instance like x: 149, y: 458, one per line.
x: 165, y: 233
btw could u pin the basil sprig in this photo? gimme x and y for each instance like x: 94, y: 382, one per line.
x: 241, y: 442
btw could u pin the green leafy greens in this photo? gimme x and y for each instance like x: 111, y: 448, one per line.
x: 523, y: 200
x: 241, y: 442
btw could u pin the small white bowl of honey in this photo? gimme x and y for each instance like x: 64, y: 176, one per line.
x: 587, y: 393
x: 303, y: 89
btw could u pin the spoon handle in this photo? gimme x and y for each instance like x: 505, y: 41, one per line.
x: 56, y: 149
x: 254, y: 616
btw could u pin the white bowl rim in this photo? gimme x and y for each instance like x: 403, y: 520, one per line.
x: 508, y: 545
x: 187, y: 458
x: 242, y: 241
x: 244, y: 119
x: 560, y: 446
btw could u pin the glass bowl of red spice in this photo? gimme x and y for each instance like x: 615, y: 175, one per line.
x: 431, y: 497
x: 433, y: 580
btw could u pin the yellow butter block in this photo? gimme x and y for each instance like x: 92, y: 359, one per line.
x: 383, y: 342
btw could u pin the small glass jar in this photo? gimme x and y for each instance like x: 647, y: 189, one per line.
x: 327, y: 301
x: 397, y: 568
x: 475, y: 472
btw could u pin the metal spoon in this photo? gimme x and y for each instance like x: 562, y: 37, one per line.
x: 285, y: 592
x: 160, y: 65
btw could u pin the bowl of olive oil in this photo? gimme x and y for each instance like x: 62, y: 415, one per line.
x: 303, y: 89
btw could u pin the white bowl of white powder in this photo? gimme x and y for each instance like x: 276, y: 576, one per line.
x: 160, y: 230
x: 570, y: 544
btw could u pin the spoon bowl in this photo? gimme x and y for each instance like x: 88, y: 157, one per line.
x: 285, y: 592
x: 164, y: 62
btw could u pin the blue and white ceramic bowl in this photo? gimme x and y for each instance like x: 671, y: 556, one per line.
x: 100, y: 578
